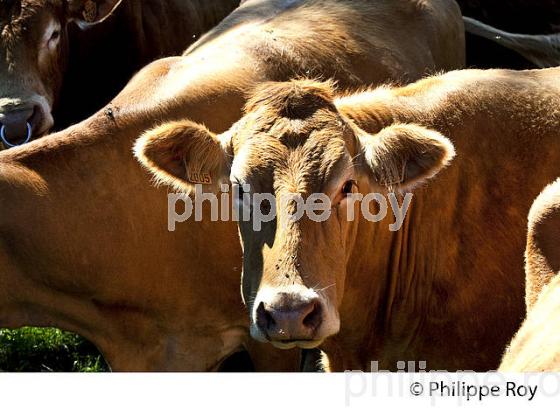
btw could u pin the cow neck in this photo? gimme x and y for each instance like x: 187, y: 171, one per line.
x: 399, y: 273
x: 395, y: 282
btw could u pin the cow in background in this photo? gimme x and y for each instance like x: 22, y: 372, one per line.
x: 535, y: 347
x: 62, y: 60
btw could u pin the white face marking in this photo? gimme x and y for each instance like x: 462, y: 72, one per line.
x: 49, y: 41
x: 330, y: 326
x: 51, y: 36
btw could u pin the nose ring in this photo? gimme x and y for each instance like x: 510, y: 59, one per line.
x: 9, y: 144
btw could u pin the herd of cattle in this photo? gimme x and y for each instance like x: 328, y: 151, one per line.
x: 287, y: 96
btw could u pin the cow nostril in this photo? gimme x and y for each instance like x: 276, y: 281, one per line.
x: 35, y: 117
x: 289, y: 317
x: 265, y: 320
x: 314, y: 318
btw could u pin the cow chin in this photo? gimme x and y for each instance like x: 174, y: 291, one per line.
x: 303, y: 344
x: 284, y: 345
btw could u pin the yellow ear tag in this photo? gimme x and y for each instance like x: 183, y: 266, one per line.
x: 90, y: 11
x: 199, y: 177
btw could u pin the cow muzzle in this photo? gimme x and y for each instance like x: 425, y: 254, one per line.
x: 22, y: 122
x: 292, y: 318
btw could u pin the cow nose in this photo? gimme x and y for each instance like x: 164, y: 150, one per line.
x: 289, y: 318
x: 17, y: 126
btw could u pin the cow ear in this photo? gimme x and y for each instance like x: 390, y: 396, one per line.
x: 402, y: 156
x: 184, y: 154
x: 87, y: 12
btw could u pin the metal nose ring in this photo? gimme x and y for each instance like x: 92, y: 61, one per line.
x: 9, y: 144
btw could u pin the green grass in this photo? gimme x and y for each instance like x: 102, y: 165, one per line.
x: 47, y: 350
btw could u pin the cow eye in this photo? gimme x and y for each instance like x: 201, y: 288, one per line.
x: 55, y: 35
x: 266, y: 207
x: 54, y: 39
x: 239, y: 191
x: 348, y: 187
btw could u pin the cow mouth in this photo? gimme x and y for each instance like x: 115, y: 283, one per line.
x: 291, y: 344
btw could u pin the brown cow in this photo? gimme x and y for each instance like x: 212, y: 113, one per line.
x: 541, y: 256
x: 43, y: 53
x: 84, y: 243
x: 447, y: 287
x: 535, y: 347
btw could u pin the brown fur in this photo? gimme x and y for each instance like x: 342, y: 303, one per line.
x: 486, y: 193
x: 542, y: 259
x: 448, y: 287
x: 535, y: 346
x: 197, y: 142
x: 90, y: 251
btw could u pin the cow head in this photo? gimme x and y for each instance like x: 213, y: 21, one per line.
x: 293, y: 143
x: 33, y: 53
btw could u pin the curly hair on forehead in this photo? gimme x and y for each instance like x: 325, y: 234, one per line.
x: 13, y: 12
x: 296, y: 99
x: 16, y: 18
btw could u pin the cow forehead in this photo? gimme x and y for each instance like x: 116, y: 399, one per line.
x: 282, y: 157
x: 291, y: 132
x: 16, y: 15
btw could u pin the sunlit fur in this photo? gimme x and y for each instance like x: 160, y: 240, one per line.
x: 190, y: 145
x: 148, y: 298
x: 411, y: 294
x: 292, y: 140
x: 535, y: 346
